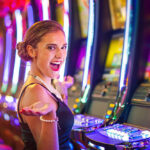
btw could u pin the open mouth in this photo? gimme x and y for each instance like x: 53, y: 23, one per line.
x: 55, y: 66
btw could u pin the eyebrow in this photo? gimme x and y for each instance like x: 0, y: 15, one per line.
x: 56, y: 44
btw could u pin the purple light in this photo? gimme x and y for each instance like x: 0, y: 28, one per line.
x: 7, y: 58
x: 8, y: 50
x: 30, y: 15
x: 16, y: 121
x: 7, y: 21
x: 1, y: 50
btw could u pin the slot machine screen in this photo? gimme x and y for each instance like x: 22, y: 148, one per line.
x: 118, y: 13
x: 113, y: 60
x: 147, y: 72
x: 83, y: 8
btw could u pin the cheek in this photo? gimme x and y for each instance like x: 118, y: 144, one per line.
x: 43, y: 60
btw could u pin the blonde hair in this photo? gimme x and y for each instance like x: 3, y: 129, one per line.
x: 34, y: 34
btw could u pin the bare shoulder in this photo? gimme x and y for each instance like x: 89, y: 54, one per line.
x: 35, y: 93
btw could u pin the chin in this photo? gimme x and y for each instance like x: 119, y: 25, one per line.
x: 55, y: 76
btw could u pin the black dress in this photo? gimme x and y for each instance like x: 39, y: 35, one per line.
x: 65, y: 124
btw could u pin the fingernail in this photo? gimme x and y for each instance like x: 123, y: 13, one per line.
x: 38, y: 113
x: 20, y: 111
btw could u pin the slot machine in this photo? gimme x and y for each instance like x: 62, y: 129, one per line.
x: 129, y: 128
x: 104, y: 70
x: 79, y: 19
x: 14, y: 71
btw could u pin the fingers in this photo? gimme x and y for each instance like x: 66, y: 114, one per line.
x: 68, y: 81
x: 30, y: 112
x: 37, y: 109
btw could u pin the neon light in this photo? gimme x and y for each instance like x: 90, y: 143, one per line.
x: 7, y: 59
x: 89, y: 44
x: 6, y: 117
x: 9, y: 99
x: 85, y: 96
x: 30, y: 15
x: 45, y: 7
x: 30, y: 22
x: 126, y: 46
x: 66, y: 30
x: 8, y: 50
x: 96, y: 146
x: 7, y: 21
x: 17, y: 58
x: 1, y: 50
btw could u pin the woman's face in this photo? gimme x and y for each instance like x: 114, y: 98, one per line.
x: 51, y: 53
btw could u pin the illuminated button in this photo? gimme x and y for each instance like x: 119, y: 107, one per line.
x: 109, y: 112
x: 77, y: 100
x: 111, y: 105
x: 75, y: 106
x: 107, y: 116
x: 145, y: 134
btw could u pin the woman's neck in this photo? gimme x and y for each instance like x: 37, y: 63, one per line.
x: 45, y: 79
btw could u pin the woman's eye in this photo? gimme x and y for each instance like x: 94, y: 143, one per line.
x: 64, y: 47
x: 51, y: 47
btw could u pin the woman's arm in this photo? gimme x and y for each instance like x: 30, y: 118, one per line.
x: 49, y: 135
x: 36, y: 102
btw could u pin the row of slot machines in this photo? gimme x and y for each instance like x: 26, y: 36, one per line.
x: 116, y: 113
x: 15, y: 18
x: 105, y: 105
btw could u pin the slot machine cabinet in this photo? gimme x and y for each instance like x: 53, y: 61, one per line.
x: 132, y: 127
x: 79, y: 29
x: 108, y: 43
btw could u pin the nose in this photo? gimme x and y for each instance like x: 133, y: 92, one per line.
x: 59, y: 53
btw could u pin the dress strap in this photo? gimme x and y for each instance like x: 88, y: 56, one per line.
x: 57, y: 99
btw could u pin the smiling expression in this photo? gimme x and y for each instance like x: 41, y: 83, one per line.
x: 51, y: 53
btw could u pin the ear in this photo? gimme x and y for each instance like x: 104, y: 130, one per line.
x: 31, y: 51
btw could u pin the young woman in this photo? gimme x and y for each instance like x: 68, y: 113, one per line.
x: 45, y: 119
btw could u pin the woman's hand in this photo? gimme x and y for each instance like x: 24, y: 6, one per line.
x: 68, y: 81
x: 62, y: 87
x: 37, y: 109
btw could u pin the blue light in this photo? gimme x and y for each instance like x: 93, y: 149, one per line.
x: 30, y: 23
x: 89, y: 44
x: 6, y: 117
x: 17, y: 58
x: 107, y: 116
x: 96, y: 146
x: 85, y: 96
x: 127, y: 40
x: 7, y: 59
x: 66, y: 30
